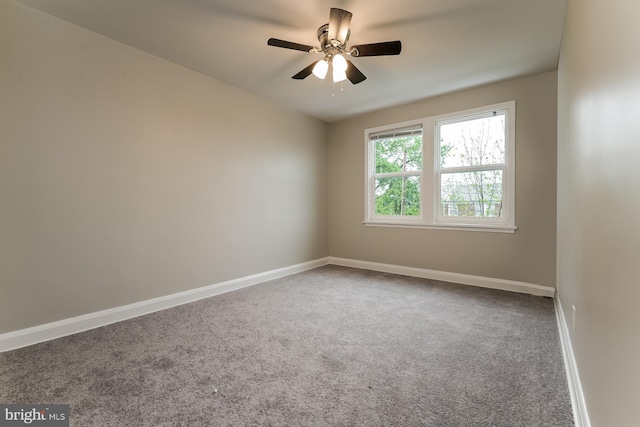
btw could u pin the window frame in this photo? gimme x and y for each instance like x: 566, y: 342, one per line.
x: 430, y: 176
x: 371, y: 178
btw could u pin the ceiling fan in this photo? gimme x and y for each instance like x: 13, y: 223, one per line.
x: 333, y: 39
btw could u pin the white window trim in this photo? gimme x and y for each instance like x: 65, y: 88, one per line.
x: 430, y: 217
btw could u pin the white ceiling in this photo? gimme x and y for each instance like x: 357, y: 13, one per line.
x: 447, y: 45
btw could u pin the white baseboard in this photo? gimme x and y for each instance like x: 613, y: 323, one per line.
x: 29, y: 336
x: 465, y: 279
x: 580, y: 414
x: 49, y: 331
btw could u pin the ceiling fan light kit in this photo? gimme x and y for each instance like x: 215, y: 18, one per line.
x: 321, y: 68
x: 333, y: 39
x: 339, y: 75
x: 339, y: 63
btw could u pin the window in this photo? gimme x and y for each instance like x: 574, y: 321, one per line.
x: 453, y: 171
x: 398, y: 169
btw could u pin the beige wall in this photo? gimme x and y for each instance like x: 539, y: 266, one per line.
x: 528, y: 255
x: 599, y: 202
x: 124, y: 177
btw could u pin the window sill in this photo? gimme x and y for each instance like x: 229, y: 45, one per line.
x: 448, y: 227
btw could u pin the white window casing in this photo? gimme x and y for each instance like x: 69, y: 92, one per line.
x: 430, y: 215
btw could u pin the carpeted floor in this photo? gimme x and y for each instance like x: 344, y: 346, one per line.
x: 331, y: 346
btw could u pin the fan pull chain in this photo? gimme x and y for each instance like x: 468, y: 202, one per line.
x: 333, y: 88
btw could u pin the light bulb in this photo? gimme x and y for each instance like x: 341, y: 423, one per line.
x: 338, y: 75
x: 320, y: 69
x: 339, y: 63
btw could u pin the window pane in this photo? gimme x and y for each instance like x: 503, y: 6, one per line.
x: 473, y: 142
x: 398, y: 196
x: 471, y: 194
x: 399, y: 154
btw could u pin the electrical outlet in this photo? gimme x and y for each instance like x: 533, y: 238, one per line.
x: 573, y: 317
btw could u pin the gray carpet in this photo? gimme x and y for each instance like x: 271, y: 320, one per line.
x: 331, y: 346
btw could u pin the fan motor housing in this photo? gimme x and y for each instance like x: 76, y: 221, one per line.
x: 323, y: 36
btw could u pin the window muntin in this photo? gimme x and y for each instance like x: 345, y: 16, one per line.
x: 451, y: 171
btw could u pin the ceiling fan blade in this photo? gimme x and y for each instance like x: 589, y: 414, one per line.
x: 289, y: 45
x: 339, y: 21
x: 378, y: 49
x: 354, y: 75
x: 306, y: 72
